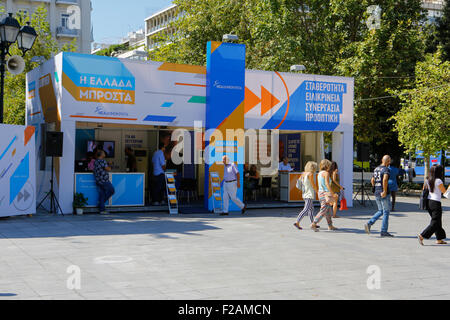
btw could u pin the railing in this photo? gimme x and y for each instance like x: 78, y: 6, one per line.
x: 67, y: 1
x: 63, y: 31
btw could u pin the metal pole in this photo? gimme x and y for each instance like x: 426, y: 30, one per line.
x: 2, y: 81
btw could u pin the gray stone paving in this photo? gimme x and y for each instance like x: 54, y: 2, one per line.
x: 257, y: 256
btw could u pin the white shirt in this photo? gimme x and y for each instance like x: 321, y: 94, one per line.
x: 283, y: 167
x: 437, y: 194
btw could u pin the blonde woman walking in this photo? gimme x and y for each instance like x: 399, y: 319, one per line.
x: 309, y: 192
x: 326, y: 196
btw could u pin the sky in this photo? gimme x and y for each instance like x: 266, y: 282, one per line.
x: 113, y: 19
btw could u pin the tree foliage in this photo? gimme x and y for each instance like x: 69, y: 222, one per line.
x: 423, y: 123
x: 329, y: 37
x: 443, y: 31
x: 384, y: 59
x: 45, y: 46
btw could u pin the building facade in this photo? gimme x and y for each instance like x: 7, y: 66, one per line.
x: 69, y: 19
x: 158, y: 24
x: 434, y: 7
x: 130, y: 47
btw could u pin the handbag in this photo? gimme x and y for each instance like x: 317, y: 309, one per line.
x: 300, y: 184
x: 423, y: 204
x: 343, y: 204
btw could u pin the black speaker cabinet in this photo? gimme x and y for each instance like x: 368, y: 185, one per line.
x: 363, y: 152
x: 54, y: 144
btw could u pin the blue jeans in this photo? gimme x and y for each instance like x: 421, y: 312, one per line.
x: 105, y: 191
x: 384, y: 205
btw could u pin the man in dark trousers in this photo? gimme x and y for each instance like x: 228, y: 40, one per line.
x: 104, y: 186
x: 131, y: 161
x: 380, y: 181
x: 159, y: 179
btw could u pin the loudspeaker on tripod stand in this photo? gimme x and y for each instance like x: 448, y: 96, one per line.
x: 54, y: 149
x: 54, y: 144
x: 363, y: 152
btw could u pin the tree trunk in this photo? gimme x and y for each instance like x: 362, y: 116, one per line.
x: 427, y: 167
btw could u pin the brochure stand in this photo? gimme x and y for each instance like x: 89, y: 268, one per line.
x: 217, y: 192
x: 172, y: 201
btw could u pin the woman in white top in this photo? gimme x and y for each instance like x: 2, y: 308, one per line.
x: 436, y: 188
x: 309, y: 192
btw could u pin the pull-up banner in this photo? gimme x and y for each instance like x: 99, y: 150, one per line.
x: 17, y: 170
x: 225, y: 95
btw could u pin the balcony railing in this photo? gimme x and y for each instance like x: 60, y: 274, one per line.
x: 67, y: 1
x: 66, y: 32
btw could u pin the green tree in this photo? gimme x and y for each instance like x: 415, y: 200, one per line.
x: 384, y: 59
x: 329, y: 37
x: 112, y: 50
x: 443, y: 31
x: 45, y: 46
x: 423, y: 122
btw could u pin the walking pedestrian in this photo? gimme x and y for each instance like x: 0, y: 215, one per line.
x: 380, y: 181
x: 308, y: 193
x: 393, y: 183
x: 326, y: 196
x: 231, y: 183
x: 436, y: 188
x: 335, y: 186
x: 104, y: 187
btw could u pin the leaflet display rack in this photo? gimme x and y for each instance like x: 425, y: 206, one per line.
x: 172, y: 200
x: 216, y: 192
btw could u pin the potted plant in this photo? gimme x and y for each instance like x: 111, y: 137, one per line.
x: 79, y: 202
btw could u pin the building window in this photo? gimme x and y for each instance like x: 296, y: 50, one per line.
x: 65, y: 20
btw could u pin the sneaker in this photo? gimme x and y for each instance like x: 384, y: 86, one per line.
x: 367, y: 228
x: 386, y: 235
x: 104, y: 212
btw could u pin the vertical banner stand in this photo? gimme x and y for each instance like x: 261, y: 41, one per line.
x: 172, y: 201
x: 217, y: 192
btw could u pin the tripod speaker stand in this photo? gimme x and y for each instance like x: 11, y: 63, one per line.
x: 53, y: 148
x: 54, y: 204
x: 362, y: 190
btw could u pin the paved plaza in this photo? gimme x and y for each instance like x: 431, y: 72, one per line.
x: 256, y: 256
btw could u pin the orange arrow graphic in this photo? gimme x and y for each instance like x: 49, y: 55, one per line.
x: 251, y: 100
x: 268, y: 101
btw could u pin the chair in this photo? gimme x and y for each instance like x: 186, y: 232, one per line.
x: 266, y: 185
x: 188, y: 187
x: 254, y: 190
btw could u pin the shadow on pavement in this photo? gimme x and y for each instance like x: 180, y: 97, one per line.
x: 130, y: 224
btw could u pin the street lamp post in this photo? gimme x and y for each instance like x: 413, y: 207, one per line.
x: 10, y: 32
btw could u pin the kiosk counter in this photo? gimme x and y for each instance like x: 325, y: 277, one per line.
x: 288, y: 187
x: 129, y: 189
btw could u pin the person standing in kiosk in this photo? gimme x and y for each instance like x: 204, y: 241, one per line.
x: 231, y: 183
x: 284, y: 165
x: 159, y: 179
x: 104, y: 186
x: 131, y: 160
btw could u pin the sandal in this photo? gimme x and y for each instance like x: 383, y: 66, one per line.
x: 441, y: 242
x: 420, y: 238
x: 332, y: 228
x: 314, y: 227
x: 297, y: 226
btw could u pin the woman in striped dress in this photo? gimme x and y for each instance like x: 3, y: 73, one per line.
x: 309, y: 192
